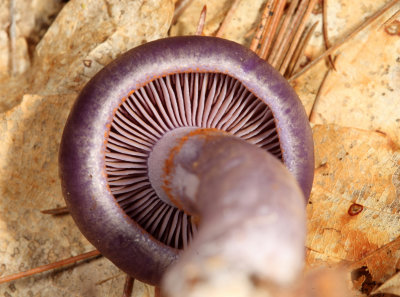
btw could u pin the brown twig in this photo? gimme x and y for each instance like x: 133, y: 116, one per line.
x: 288, y: 16
x: 56, y: 211
x: 319, y: 92
x: 296, y: 37
x: 202, y: 21
x: 227, y: 19
x: 392, y: 18
x: 267, y: 26
x: 108, y: 279
x: 180, y: 7
x: 345, y: 38
x: 300, y: 49
x: 50, y: 266
x: 289, y: 34
x: 263, y: 22
x: 128, y: 286
x: 270, y: 33
x: 325, y: 32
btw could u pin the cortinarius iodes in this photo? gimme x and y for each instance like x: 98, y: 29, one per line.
x: 184, y: 142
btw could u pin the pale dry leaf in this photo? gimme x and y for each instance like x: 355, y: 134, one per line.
x: 85, y: 36
x: 243, y: 24
x: 391, y: 286
x: 307, y: 85
x: 354, y: 208
x: 93, y: 34
x: 366, y: 82
x: 344, y: 15
x: 365, y: 73
x: 377, y: 267
x: 22, y: 24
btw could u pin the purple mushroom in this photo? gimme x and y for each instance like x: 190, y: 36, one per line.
x: 179, y: 140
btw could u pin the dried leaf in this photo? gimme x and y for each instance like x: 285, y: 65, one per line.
x: 354, y: 208
x: 84, y: 37
x: 359, y: 92
x: 22, y: 24
x: 391, y: 286
x: 364, y: 74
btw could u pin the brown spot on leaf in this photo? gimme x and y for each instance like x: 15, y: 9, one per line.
x: 355, y: 209
x: 87, y: 63
x: 393, y: 28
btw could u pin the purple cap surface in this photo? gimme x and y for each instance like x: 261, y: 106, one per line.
x: 82, y: 153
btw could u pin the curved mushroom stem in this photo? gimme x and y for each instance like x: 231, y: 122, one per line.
x: 251, y: 216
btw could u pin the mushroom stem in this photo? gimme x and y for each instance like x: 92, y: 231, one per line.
x: 250, y: 212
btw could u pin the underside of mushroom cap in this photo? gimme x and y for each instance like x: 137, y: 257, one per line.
x: 128, y: 107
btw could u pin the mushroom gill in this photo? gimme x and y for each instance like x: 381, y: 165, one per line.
x: 175, y: 101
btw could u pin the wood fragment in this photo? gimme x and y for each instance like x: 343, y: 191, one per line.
x: 297, y: 37
x: 128, y: 286
x: 50, y: 266
x: 345, y: 38
x: 228, y: 18
x: 283, y: 29
x: 299, y: 52
x: 263, y: 22
x: 325, y: 32
x: 56, y: 211
x: 270, y: 33
x: 202, y: 21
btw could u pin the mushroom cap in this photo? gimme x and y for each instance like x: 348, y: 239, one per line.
x: 82, y: 153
